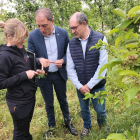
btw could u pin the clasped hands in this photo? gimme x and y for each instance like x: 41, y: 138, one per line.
x: 84, y: 89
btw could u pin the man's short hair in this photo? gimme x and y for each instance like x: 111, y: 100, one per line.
x: 44, y: 12
x: 81, y: 17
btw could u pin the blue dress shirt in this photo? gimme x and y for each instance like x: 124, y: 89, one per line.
x: 51, y: 47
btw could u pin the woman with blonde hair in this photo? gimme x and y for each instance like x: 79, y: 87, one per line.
x: 16, y: 75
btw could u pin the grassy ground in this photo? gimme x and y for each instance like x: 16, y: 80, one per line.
x: 119, y: 119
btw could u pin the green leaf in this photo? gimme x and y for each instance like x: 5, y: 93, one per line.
x: 135, y: 35
x: 129, y: 33
x: 138, y: 45
x: 130, y: 41
x: 113, y: 62
x: 40, y: 76
x: 113, y: 31
x: 118, y: 70
x: 129, y: 95
x: 129, y: 53
x: 131, y: 46
x: 117, y: 41
x: 115, y: 136
x: 129, y: 72
x: 136, y: 20
x: 104, y: 92
x: 117, y: 103
x: 137, y: 12
x: 99, y: 44
x: 100, y: 41
x: 102, y: 69
x: 132, y: 11
x: 120, y: 79
x: 87, y: 96
x: 100, y: 77
x: 92, y: 47
x: 101, y: 101
x: 137, y: 134
x: 119, y: 12
x: 110, y: 64
x: 125, y: 24
x: 123, y: 51
x: 128, y: 134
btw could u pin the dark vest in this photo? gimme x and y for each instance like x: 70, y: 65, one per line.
x: 87, y: 67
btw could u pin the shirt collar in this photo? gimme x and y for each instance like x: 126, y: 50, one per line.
x: 51, y: 34
x: 53, y: 29
x: 86, y: 38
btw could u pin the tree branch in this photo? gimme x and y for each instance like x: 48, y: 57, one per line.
x: 135, y: 103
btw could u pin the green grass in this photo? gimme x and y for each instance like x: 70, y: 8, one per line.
x: 119, y: 119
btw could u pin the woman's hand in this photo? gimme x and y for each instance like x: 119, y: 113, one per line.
x: 39, y: 72
x: 31, y: 74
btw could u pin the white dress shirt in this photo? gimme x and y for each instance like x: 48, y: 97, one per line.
x: 72, y: 74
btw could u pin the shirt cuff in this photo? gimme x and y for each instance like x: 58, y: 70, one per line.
x: 79, y: 85
x: 90, y: 85
x: 37, y: 60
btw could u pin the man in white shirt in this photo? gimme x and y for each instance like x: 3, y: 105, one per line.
x: 83, y: 67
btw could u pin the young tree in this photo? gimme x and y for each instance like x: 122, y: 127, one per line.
x: 125, y: 55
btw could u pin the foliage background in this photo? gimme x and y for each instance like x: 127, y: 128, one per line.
x: 99, y: 12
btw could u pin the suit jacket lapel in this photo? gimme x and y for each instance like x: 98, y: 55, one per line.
x: 57, y: 35
x: 42, y: 44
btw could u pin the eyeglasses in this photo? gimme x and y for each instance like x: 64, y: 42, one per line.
x: 44, y: 25
x: 74, y: 28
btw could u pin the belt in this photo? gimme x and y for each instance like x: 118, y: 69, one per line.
x: 52, y: 72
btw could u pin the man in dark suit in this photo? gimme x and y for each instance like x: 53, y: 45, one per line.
x: 49, y: 43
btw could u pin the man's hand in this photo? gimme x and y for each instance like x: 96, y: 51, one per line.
x: 84, y: 89
x: 58, y: 63
x: 44, y: 62
x: 31, y: 74
x: 39, y: 72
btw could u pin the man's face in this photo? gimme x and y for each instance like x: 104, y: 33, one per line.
x: 45, y: 26
x: 76, y: 28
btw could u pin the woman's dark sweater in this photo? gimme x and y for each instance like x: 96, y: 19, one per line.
x: 14, y: 63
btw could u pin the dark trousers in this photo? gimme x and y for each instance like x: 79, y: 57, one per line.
x: 22, y: 115
x: 55, y: 79
x: 85, y: 111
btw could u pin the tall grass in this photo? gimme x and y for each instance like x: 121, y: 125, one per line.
x: 119, y: 119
